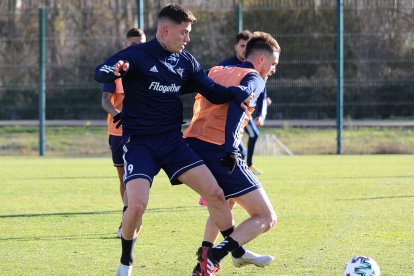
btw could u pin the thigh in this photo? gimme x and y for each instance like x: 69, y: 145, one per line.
x: 138, y: 192
x: 200, y: 179
x: 116, y: 145
x: 256, y: 203
x: 179, y: 159
x: 239, y: 182
x: 139, y: 162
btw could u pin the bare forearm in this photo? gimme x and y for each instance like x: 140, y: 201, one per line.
x: 107, y: 104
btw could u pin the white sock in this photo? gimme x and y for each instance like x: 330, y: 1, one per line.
x: 124, y: 270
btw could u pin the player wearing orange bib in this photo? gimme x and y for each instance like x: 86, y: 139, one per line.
x: 112, y: 98
x: 215, y: 134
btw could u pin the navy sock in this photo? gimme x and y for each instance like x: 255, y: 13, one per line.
x: 238, y: 252
x: 127, y: 248
x: 221, y: 250
x: 227, y: 232
x: 206, y: 244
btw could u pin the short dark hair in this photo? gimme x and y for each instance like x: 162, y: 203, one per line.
x: 262, y: 41
x: 245, y: 35
x: 177, y: 13
x: 135, y: 32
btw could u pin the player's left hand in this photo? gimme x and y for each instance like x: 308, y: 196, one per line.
x: 117, y: 119
x: 259, y: 121
x: 268, y: 101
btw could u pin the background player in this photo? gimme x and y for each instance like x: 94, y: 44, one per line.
x: 154, y: 75
x: 213, y: 129
x: 112, y: 97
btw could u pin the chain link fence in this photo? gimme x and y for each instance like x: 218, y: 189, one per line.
x: 378, y: 43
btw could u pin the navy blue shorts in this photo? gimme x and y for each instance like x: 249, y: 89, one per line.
x: 116, y: 145
x: 240, y: 182
x: 145, y: 155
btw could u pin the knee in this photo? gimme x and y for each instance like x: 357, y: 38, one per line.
x: 215, y: 194
x: 232, y: 203
x: 270, y: 222
x: 136, y: 208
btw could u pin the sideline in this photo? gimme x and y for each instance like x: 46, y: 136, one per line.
x: 268, y: 123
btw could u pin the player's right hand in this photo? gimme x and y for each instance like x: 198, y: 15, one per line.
x: 117, y: 119
x: 229, y: 161
x: 121, y: 67
x: 245, y: 105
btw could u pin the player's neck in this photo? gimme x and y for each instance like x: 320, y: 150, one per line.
x: 159, y: 39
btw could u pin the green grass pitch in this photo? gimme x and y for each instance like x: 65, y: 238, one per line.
x: 59, y: 216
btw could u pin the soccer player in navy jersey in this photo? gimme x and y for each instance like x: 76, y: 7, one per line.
x: 154, y: 75
x: 262, y: 102
x: 214, y: 134
x: 112, y: 97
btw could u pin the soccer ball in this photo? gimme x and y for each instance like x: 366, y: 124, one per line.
x: 362, y: 266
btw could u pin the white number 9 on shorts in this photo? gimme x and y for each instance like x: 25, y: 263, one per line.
x: 130, y: 168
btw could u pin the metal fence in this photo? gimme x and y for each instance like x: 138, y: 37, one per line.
x: 378, y: 65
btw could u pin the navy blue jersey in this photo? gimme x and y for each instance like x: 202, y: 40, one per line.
x: 261, y: 108
x: 108, y: 87
x: 235, y: 115
x: 230, y: 61
x: 153, y: 83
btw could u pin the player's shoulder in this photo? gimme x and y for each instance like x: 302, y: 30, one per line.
x: 187, y: 55
x: 255, y: 79
x: 187, y: 60
x: 138, y: 48
x: 229, y: 61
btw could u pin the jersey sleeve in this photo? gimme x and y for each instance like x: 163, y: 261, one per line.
x: 261, y: 106
x: 236, y: 115
x: 214, y: 92
x: 104, y: 73
x: 109, y: 87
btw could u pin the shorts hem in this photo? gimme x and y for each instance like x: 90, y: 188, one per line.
x: 136, y: 176
x: 243, y: 192
x: 174, y: 179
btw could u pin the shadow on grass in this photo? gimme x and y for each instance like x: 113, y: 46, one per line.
x: 64, y: 237
x: 66, y: 177
x: 379, y: 197
x: 67, y: 214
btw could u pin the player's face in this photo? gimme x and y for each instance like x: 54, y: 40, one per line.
x: 271, y: 73
x: 269, y: 65
x: 240, y: 49
x: 177, y: 36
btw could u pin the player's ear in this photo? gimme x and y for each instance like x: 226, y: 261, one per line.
x: 164, y: 29
x: 261, y: 58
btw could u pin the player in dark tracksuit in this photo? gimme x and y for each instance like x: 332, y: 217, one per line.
x: 215, y: 132
x: 154, y: 75
x: 251, y: 128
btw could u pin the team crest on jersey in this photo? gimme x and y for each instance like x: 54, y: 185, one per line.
x: 180, y: 71
x: 172, y: 60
